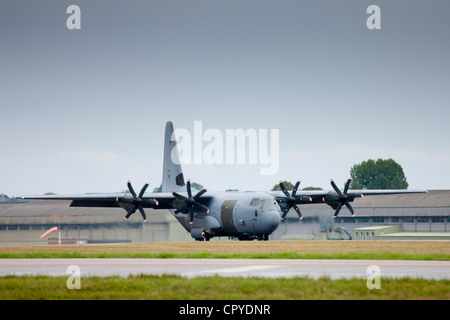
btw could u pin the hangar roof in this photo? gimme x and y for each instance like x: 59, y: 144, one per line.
x: 49, y: 208
x: 434, y: 198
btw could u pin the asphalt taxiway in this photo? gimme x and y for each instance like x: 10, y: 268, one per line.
x: 229, y: 267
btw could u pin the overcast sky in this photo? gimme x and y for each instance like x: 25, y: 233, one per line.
x: 84, y: 110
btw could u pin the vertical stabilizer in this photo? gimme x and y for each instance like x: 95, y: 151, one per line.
x: 173, y: 179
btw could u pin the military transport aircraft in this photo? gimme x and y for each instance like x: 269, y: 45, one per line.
x: 242, y: 215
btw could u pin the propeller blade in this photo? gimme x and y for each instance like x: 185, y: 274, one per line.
x: 143, y: 213
x: 202, y: 206
x: 191, y: 215
x: 338, y: 208
x: 188, y: 187
x: 130, y: 188
x: 199, y: 194
x: 284, y: 214
x: 150, y: 202
x: 335, y: 187
x: 350, y: 208
x: 298, y: 211
x: 143, y: 189
x: 179, y: 196
x: 347, y: 184
x: 130, y: 211
x: 182, y: 209
x: 294, y: 191
x: 283, y: 188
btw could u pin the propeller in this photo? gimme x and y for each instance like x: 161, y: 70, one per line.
x: 342, y: 198
x: 135, y: 202
x: 190, y: 202
x: 291, y: 201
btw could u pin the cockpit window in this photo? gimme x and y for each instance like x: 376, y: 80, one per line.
x: 254, y: 202
x: 266, y: 204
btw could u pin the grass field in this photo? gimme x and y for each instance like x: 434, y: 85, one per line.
x: 213, y: 288
x: 304, y: 249
x: 207, y: 288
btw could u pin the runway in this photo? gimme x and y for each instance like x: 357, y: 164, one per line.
x: 229, y: 267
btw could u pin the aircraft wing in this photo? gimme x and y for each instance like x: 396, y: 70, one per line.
x: 165, y: 200
x: 320, y: 196
x: 94, y: 199
x: 384, y: 191
x: 182, y: 202
x: 335, y: 198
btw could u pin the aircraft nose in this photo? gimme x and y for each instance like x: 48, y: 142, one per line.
x: 271, y: 221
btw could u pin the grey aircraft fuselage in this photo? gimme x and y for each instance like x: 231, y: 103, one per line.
x: 234, y: 214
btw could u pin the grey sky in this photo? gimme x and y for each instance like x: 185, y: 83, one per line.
x: 84, y: 110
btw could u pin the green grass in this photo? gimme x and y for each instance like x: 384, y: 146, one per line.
x: 218, y: 288
x: 392, y: 250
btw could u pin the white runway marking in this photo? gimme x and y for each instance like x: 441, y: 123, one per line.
x: 236, y: 271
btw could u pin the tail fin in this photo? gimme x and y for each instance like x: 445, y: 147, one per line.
x: 173, y: 179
